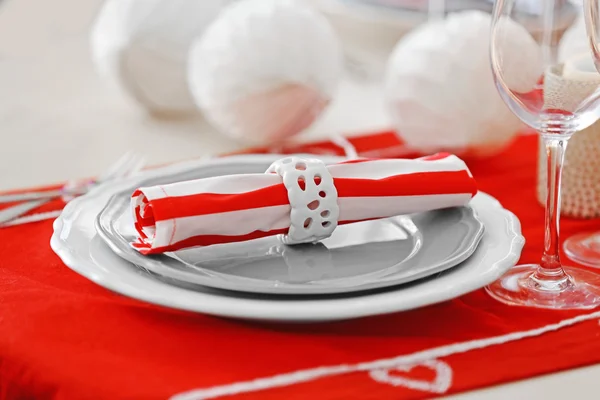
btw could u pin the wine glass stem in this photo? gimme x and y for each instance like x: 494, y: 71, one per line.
x: 550, y: 275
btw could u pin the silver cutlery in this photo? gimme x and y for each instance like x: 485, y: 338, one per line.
x: 27, y: 219
x: 127, y: 165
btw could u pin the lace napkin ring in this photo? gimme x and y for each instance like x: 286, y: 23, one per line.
x: 313, y: 198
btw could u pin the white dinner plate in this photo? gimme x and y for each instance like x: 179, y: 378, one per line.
x: 360, y: 256
x: 75, y: 240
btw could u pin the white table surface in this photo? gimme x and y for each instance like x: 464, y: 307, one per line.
x: 58, y: 120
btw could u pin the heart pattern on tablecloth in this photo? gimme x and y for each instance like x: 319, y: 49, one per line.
x: 440, y: 384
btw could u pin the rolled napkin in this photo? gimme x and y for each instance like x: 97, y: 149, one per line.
x: 302, y: 199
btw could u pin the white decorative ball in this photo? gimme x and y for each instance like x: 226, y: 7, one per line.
x: 439, y: 86
x: 575, y: 41
x: 265, y: 69
x: 142, y: 46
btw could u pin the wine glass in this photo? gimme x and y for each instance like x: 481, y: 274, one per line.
x: 585, y: 247
x: 523, y: 56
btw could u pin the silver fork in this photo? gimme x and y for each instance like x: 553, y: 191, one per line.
x: 68, y: 189
x: 127, y: 165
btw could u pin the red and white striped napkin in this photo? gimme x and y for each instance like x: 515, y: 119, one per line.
x: 235, y: 208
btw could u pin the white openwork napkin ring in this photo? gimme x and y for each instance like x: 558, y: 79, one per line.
x: 313, y: 198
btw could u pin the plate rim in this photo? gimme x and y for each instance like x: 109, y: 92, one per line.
x: 279, y: 310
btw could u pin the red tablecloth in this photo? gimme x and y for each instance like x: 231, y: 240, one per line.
x: 63, y: 337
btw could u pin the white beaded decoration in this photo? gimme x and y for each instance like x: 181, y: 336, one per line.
x: 312, y: 196
x: 566, y: 89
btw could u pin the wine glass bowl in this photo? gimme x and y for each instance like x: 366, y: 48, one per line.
x: 531, y: 81
x: 547, y: 97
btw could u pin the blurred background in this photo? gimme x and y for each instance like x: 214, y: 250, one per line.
x: 71, y: 74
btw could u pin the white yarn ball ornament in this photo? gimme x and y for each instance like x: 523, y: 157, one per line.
x: 439, y: 86
x: 142, y: 46
x: 265, y: 69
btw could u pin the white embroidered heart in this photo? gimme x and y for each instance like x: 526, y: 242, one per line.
x: 441, y: 383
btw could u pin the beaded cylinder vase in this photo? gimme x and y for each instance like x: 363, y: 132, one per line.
x: 581, y: 173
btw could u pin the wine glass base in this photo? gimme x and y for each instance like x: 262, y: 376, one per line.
x: 584, y: 248
x: 581, y: 290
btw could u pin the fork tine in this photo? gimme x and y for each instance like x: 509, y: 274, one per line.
x: 132, y: 166
x: 137, y: 166
x: 10, y: 198
x: 115, y: 168
x: 127, y: 165
x: 31, y: 218
x: 16, y: 211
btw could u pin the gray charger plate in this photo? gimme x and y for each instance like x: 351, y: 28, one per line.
x: 357, y: 257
